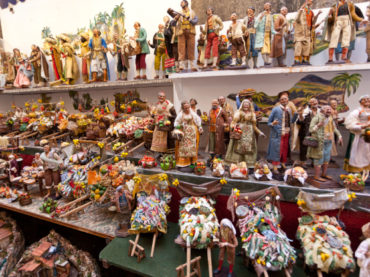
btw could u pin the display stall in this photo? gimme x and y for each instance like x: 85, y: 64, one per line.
x: 261, y: 122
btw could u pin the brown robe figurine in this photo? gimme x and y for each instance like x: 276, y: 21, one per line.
x: 40, y: 66
x: 280, y: 25
x: 54, y: 52
x: 218, y: 120
x: 228, y: 243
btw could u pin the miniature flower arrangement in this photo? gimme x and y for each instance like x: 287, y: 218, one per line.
x: 263, y: 241
x: 25, y: 199
x: 198, y: 222
x: 48, y: 206
x: 262, y: 171
x: 218, y: 167
x: 150, y: 214
x: 73, y: 183
x: 355, y: 182
x: 239, y: 170
x: 147, y: 162
x: 326, y: 246
x: 200, y: 168
x: 295, y: 176
x: 204, y: 118
x: 167, y: 162
x: 8, y: 193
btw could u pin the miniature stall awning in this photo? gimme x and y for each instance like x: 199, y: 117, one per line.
x: 4, y: 4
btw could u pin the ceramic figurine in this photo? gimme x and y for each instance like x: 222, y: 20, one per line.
x: 52, y: 164
x: 363, y: 252
x: 212, y: 29
x: 279, y: 121
x: 278, y: 49
x: 40, y: 66
x: 140, y: 38
x: 159, y: 46
x: 236, y: 34
x: 23, y: 68
x: 54, y: 52
x: 243, y: 147
x: 85, y: 57
x: 171, y: 40
x: 218, y: 120
x: 189, y: 124
x: 322, y: 128
x: 367, y: 31
x: 249, y: 21
x: 340, y: 22
x: 123, y: 204
x: 186, y: 21
x: 164, y: 113
x: 228, y: 243
x: 121, y: 49
x: 358, y: 123
x: 305, y: 116
x: 303, y: 24
x: 99, y: 61
x: 264, y: 30
x: 71, y: 72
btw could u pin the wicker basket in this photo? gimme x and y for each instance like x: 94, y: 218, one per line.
x: 164, y: 128
x: 25, y: 201
x: 355, y: 187
x: 310, y: 142
x: 199, y: 171
x: 366, y: 136
x: 148, y: 136
x: 263, y: 178
x: 235, y: 135
x: 293, y: 181
x: 4, y: 128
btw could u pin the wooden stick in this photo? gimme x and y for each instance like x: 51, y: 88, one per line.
x: 51, y: 135
x: 134, y: 247
x: 28, y: 136
x: 136, y: 147
x: 188, y: 258
x: 319, y: 273
x: 287, y: 274
x: 153, y: 243
x: 75, y: 201
x: 76, y: 210
x: 265, y: 273
x: 124, y: 145
x: 209, y: 257
x: 60, y: 136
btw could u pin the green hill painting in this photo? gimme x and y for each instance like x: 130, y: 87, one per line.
x: 310, y: 86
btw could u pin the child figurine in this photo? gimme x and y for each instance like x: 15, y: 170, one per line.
x: 228, y: 243
x: 363, y: 252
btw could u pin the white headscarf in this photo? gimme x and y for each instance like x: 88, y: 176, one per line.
x: 226, y: 222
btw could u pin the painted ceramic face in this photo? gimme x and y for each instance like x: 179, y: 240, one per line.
x: 313, y: 103
x: 309, y: 2
x: 284, y: 11
x: 267, y: 6
x: 334, y: 104
x: 233, y: 16
x: 246, y: 106
x: 284, y: 100
x: 192, y: 103
x: 186, y: 108
x: 250, y: 12
x: 161, y: 97
x: 222, y: 100
x: 214, y: 104
x: 328, y: 111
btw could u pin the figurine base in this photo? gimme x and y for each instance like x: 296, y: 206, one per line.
x: 224, y: 273
x: 235, y: 67
x: 210, y: 68
x: 323, y: 185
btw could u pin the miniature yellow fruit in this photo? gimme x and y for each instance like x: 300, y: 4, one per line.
x: 97, y: 196
x: 97, y: 191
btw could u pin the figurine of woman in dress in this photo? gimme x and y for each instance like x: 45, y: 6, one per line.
x: 245, y: 148
x: 189, y: 124
x: 23, y: 69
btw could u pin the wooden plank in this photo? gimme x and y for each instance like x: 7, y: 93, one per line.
x: 55, y: 221
x: 76, y: 209
x: 136, y: 147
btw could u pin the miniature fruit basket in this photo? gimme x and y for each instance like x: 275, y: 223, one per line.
x: 200, y: 168
x: 167, y: 162
x: 236, y: 133
x: 264, y: 243
x: 25, y: 199
x: 327, y: 247
x: 48, y: 206
x: 164, y: 125
x: 239, y: 171
x: 262, y: 171
x: 355, y: 182
x: 148, y: 162
x: 295, y: 176
x: 218, y: 167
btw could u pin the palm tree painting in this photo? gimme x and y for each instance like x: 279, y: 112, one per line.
x: 46, y: 32
x: 347, y: 82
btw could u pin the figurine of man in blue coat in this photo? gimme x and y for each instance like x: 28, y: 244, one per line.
x: 279, y: 121
x: 140, y: 37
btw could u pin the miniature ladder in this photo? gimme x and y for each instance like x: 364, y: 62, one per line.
x: 195, y: 266
x: 140, y: 253
x: 155, y: 235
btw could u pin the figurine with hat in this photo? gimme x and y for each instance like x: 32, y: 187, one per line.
x: 71, y: 72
